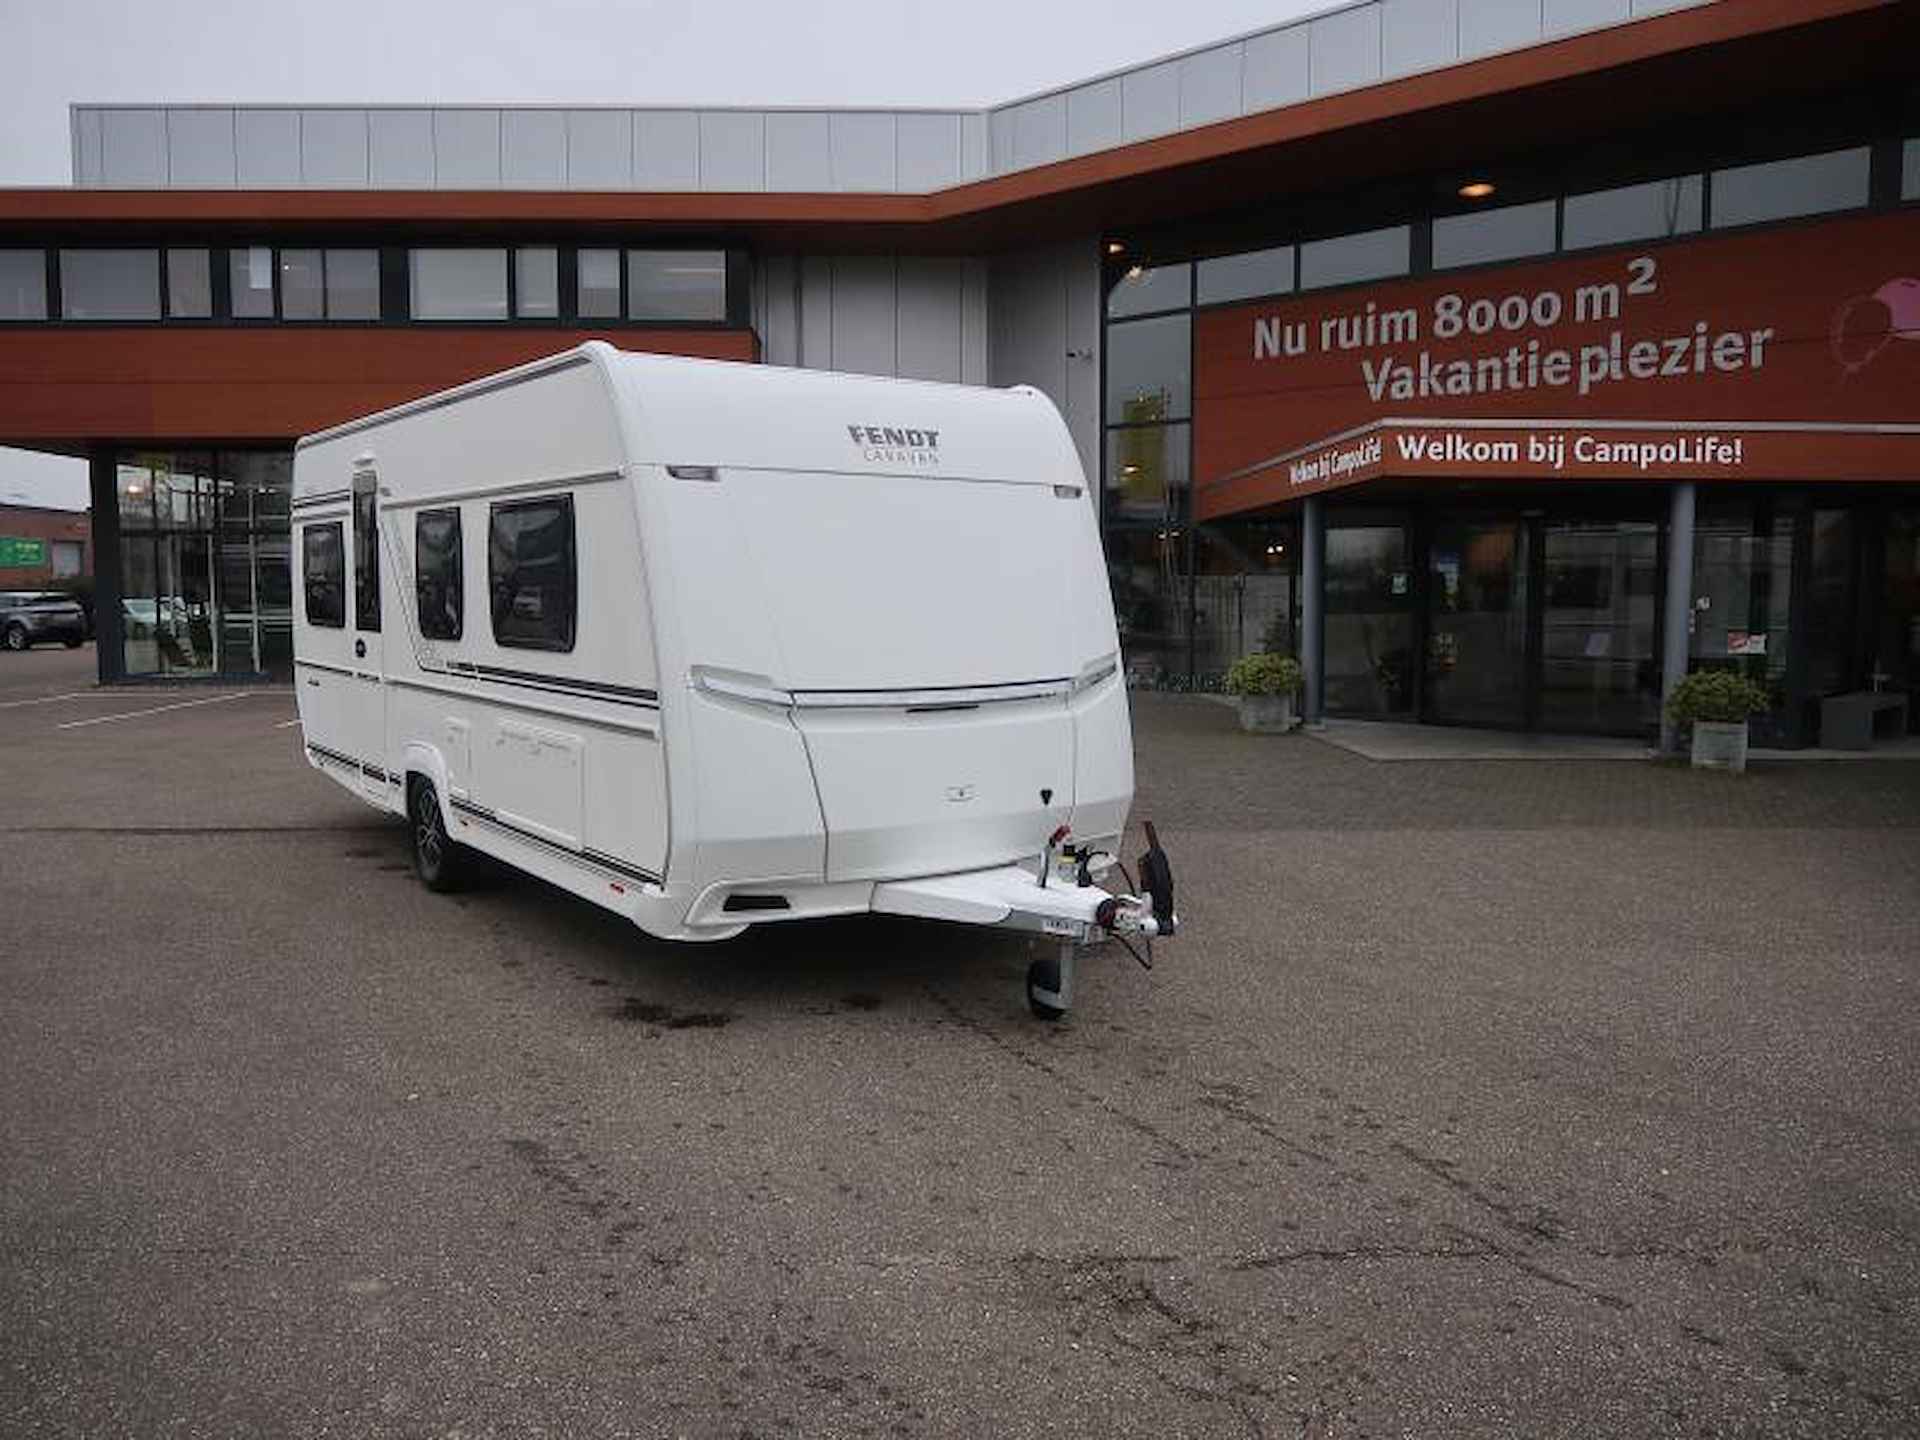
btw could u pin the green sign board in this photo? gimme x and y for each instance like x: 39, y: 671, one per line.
x: 21, y: 554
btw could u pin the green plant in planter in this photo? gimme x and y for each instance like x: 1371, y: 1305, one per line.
x: 1265, y: 674
x: 1717, y: 697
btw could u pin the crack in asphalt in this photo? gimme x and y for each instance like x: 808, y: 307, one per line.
x: 1501, y: 1210
x: 1066, y: 1082
x: 1482, y: 1246
x: 1235, y: 1108
x: 1273, y: 1260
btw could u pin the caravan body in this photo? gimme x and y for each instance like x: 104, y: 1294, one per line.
x: 714, y: 644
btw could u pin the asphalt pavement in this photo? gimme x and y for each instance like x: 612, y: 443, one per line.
x: 1496, y: 1099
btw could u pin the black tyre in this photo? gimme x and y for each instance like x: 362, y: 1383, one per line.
x: 437, y: 860
x: 15, y: 637
x: 74, y: 642
x: 1044, y: 975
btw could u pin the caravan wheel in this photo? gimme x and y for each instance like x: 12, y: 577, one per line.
x: 437, y: 860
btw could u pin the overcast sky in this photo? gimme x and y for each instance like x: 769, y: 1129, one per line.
x: 621, y: 52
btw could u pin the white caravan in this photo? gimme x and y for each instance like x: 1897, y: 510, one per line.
x: 715, y: 645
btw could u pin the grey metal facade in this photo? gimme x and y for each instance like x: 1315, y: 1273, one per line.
x: 805, y: 150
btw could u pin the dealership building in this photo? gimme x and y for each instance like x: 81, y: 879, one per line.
x: 1503, y: 359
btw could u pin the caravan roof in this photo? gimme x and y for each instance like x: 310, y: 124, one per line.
x: 681, y: 411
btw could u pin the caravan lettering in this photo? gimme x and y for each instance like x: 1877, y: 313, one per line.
x: 896, y: 445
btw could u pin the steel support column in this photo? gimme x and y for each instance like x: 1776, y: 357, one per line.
x: 1678, y: 616
x: 1313, y: 628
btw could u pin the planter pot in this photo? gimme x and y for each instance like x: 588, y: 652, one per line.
x: 1720, y: 746
x: 1266, y: 714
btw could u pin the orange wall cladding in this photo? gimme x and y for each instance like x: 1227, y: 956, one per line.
x: 67, y: 387
x: 1809, y: 326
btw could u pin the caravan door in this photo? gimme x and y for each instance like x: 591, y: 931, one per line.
x: 366, y: 702
x: 323, y: 645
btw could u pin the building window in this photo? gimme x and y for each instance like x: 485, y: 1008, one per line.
x: 599, y: 285
x: 323, y: 570
x: 250, y: 282
x: 474, y: 284
x: 458, y: 284
x: 1485, y: 236
x: 676, y: 285
x: 313, y: 284
x: 23, y: 285
x: 1347, y: 259
x: 1781, y: 189
x: 684, y: 285
x: 303, y: 285
x: 437, y: 574
x: 1245, y: 276
x: 1147, y: 575
x: 1147, y: 370
x: 536, y: 283
x: 69, y: 559
x: 530, y: 573
x: 189, y: 285
x: 1910, y: 170
x: 1653, y: 211
x: 352, y: 284
x: 1142, y: 290
x: 366, y: 561
x: 110, y: 284
x: 1147, y: 473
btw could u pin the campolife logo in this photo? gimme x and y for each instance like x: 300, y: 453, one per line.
x: 894, y: 445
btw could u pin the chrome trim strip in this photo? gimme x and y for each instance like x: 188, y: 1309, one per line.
x: 932, y: 697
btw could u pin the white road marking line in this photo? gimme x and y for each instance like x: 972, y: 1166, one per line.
x: 285, y: 723
x: 157, y: 709
x: 49, y: 699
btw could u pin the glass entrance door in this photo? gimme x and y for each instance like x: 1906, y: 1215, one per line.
x: 1478, y: 631
x: 1897, y: 658
x: 1369, y: 618
x: 204, y: 583
x: 186, y: 578
x: 1601, y: 594
x: 1832, y: 605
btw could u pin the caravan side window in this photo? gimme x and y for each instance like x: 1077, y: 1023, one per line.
x: 436, y: 568
x: 366, y: 563
x: 531, y: 573
x: 323, y: 567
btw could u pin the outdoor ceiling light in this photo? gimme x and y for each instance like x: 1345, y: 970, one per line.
x: 1114, y: 247
x: 1476, y: 190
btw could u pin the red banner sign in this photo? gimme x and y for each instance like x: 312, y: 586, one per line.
x: 1817, y: 326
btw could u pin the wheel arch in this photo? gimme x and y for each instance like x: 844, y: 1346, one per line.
x: 425, y: 762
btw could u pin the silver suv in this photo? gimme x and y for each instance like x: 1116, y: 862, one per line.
x: 30, y: 617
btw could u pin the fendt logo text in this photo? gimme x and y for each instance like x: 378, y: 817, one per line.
x: 892, y: 445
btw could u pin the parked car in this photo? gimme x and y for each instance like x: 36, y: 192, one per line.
x: 29, y: 617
